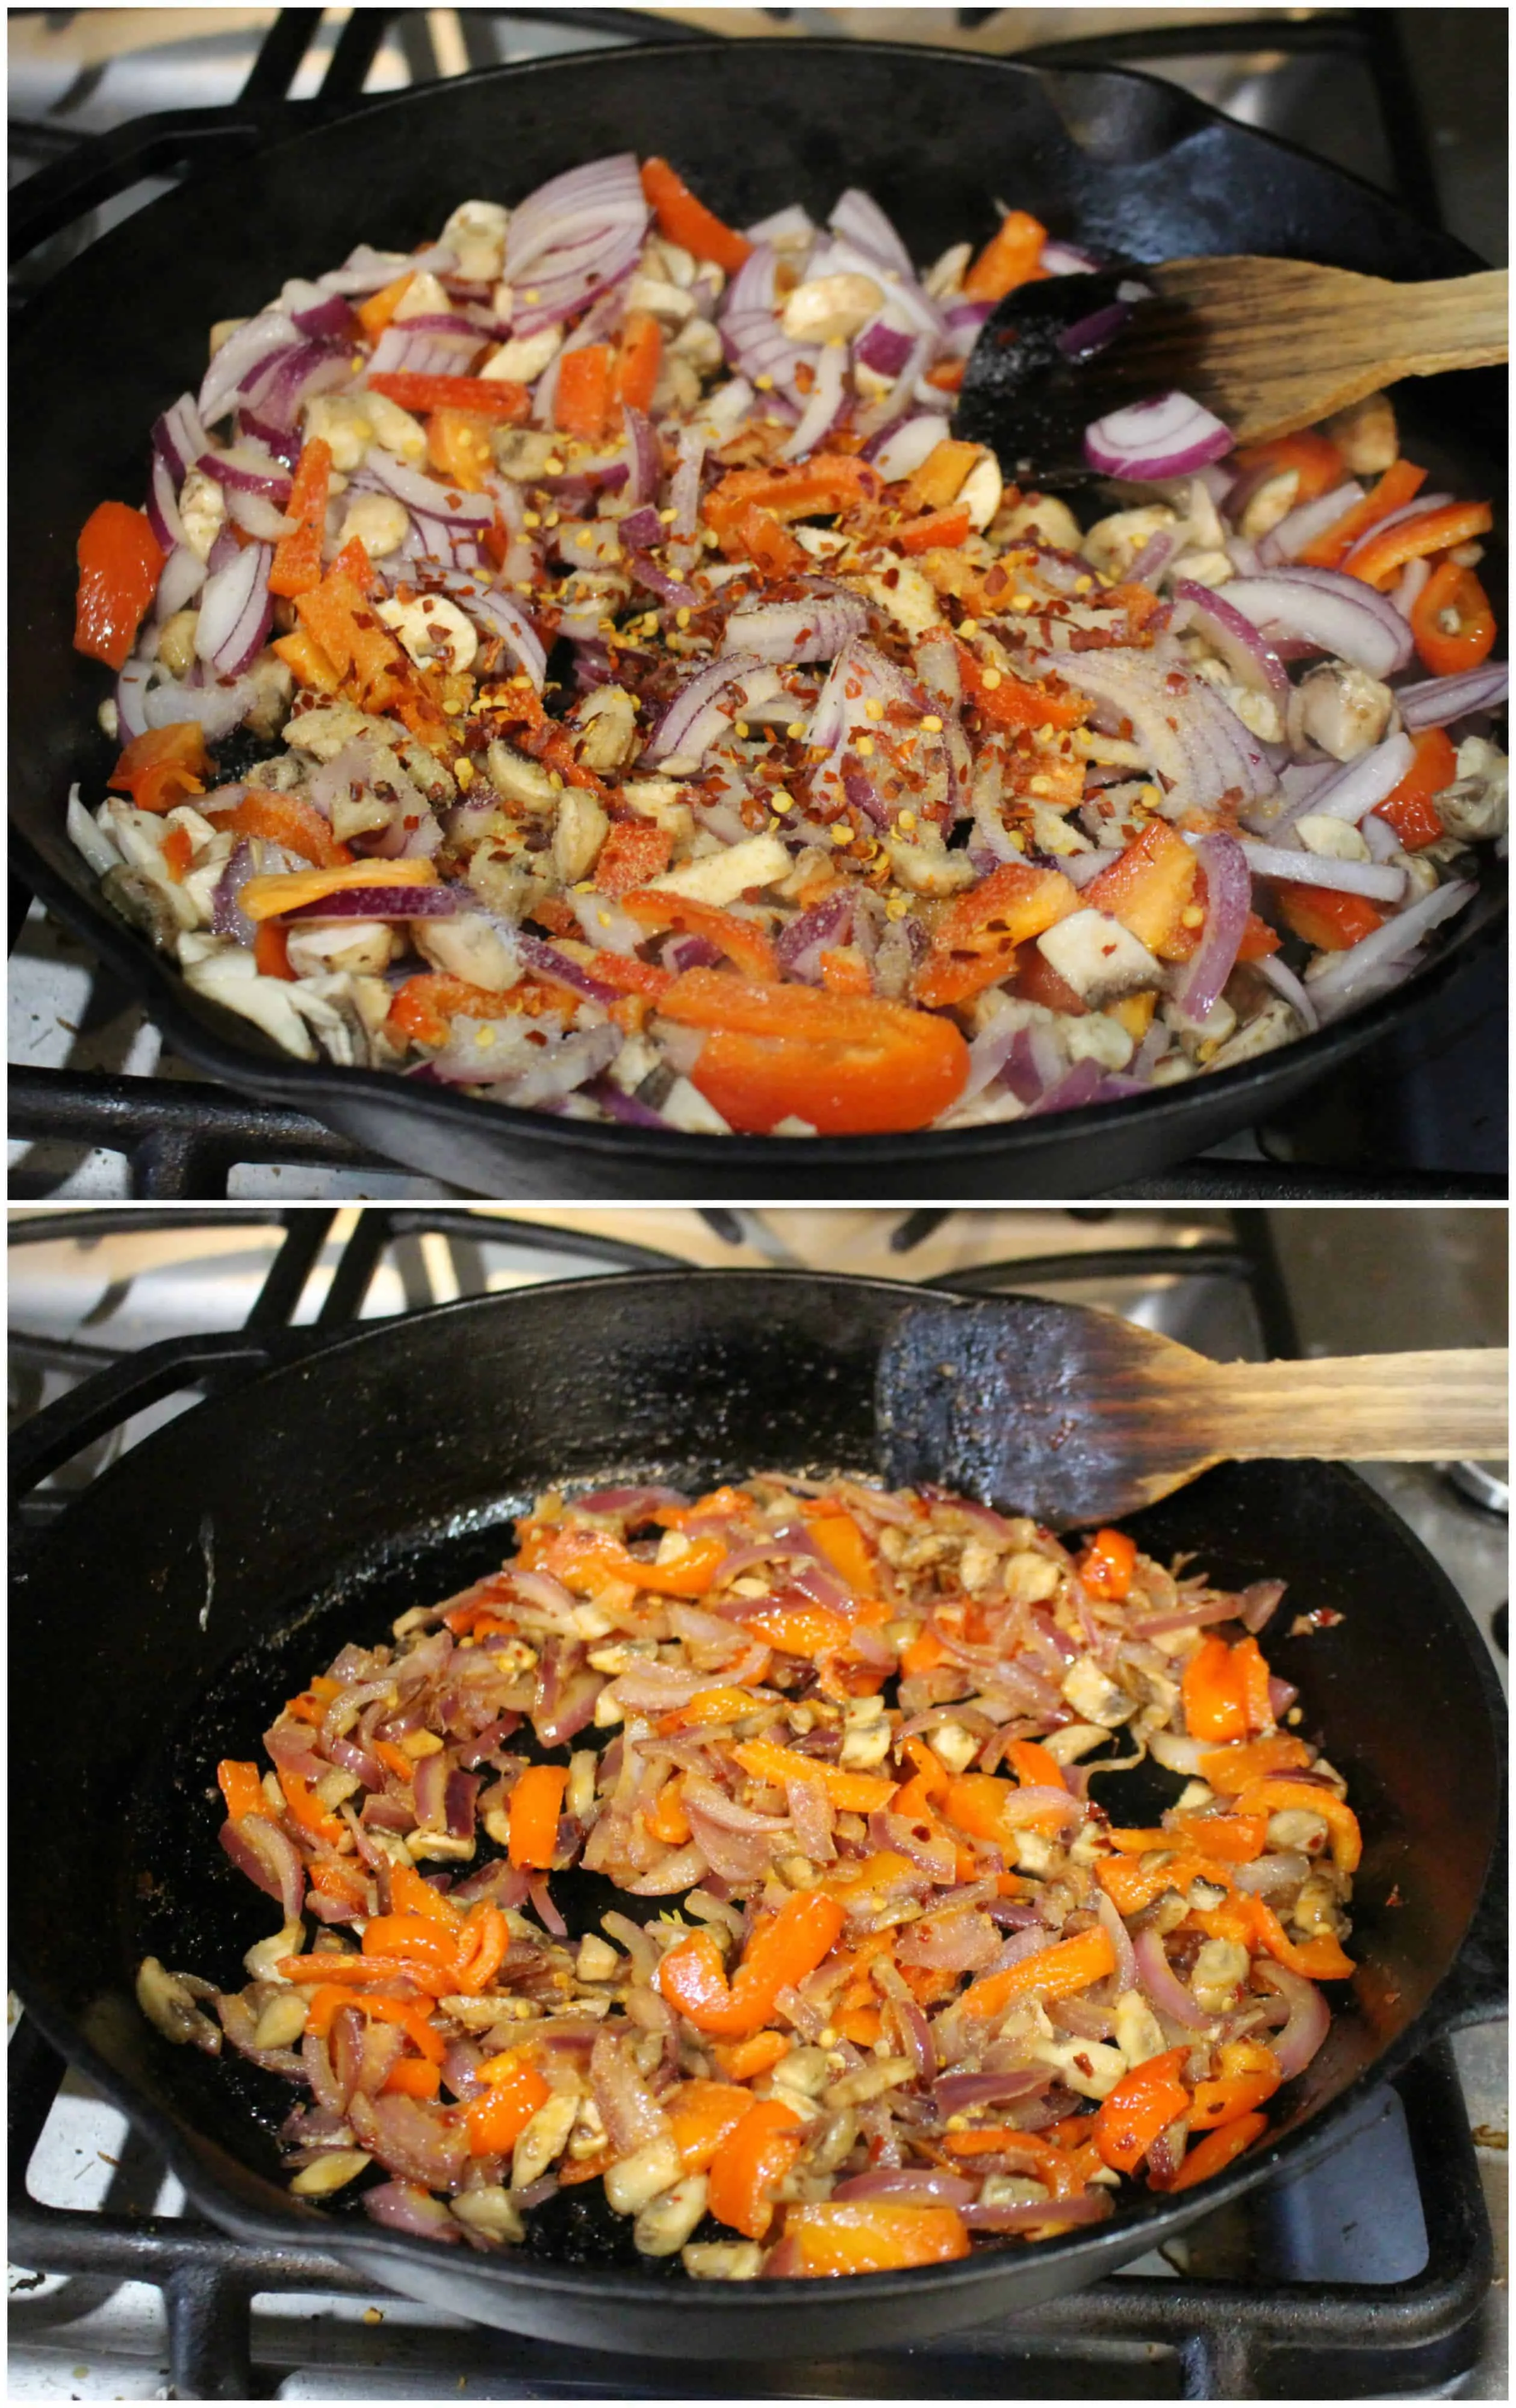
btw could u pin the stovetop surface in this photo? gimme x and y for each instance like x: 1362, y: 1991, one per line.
x: 1190, y: 2322
x: 1384, y: 94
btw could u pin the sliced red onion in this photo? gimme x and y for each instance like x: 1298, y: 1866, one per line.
x: 1302, y: 525
x: 858, y: 217
x: 1367, y: 878
x: 407, y: 2207
x: 1160, y: 1984
x: 685, y: 487
x: 1411, y: 583
x: 1084, y: 2207
x: 883, y: 348
x: 367, y: 270
x: 405, y: 348
x: 501, y: 615
x: 236, y: 611
x: 1284, y: 982
x: 1360, y: 786
x: 1337, y: 614
x: 796, y: 631
x: 179, y: 439
x: 669, y: 590
x: 1153, y: 559
x: 259, y: 1849
x: 1437, y: 702
x: 181, y: 579
x: 899, y: 451
x: 1078, y: 1087
x: 162, y: 506
x: 1335, y: 987
x: 1198, y: 983
x: 1309, y: 2021
x: 1167, y: 436
x: 247, y: 468
x: 258, y: 517
x: 1090, y: 336
x: 243, y: 354
x: 1120, y: 1941
x: 546, y: 1914
x: 282, y: 442
x: 420, y: 492
x: 1251, y: 661
x: 378, y: 902
x: 228, y: 919
x: 909, y: 2186
x: 546, y: 962
x: 823, y: 404
x: 1067, y: 258
x: 572, y: 239
x: 279, y: 388
x: 698, y: 712
x: 645, y: 457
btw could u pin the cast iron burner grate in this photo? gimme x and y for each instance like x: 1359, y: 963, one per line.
x: 1418, y: 1120
x: 1265, y: 2300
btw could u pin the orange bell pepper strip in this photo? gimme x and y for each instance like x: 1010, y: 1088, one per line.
x: 411, y: 1893
x: 1225, y: 1690
x: 977, y: 937
x: 289, y: 821
x: 271, y: 951
x: 1332, y: 922
x: 709, y: 1706
x: 1315, y: 460
x: 635, y: 851
x: 1060, y: 1971
x: 782, y: 1950
x: 161, y: 768
x: 753, y: 2160
x: 942, y: 530
x: 923, y: 1653
x: 871, y: 2236
x: 495, y: 2121
x: 638, y: 359
x: 1108, y: 1564
x: 374, y: 313
x: 1411, y: 809
x: 976, y: 1803
x: 458, y: 448
x: 1148, y: 889
x: 846, y: 1065
x: 846, y: 1549
x: 1452, y: 623
x: 1010, y: 258
x: 178, y: 851
x: 1066, y: 2171
x: 667, y: 1818
x: 1015, y: 702
x: 1384, y: 552
x: 1131, y: 1883
x: 947, y: 375
x: 481, y: 1946
x: 688, y: 221
x: 307, y: 1810
x: 1213, y: 2154
x: 410, y: 1935
x: 1254, y: 1923
x: 593, y: 1559
x: 241, y: 1787
x: 300, y: 651
x: 406, y: 2013
x: 395, y: 1759
x: 534, y: 1808
x: 1142, y: 2105
x: 1276, y: 1794
x: 940, y: 477
x: 297, y: 557
x: 1248, y: 2074
x: 1236, y: 1839
x: 491, y: 397
x: 581, y: 402
x: 744, y: 2060
x: 1400, y: 483
x: 412, y: 2077
x: 827, y: 486
x: 702, y: 2116
x: 756, y: 534
x: 801, y: 1629
x: 425, y: 1007
x: 120, y: 563
x: 1229, y: 1770
x: 277, y: 892
x: 851, y: 1793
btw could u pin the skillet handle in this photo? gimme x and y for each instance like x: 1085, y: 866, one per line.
x: 89, y: 1412
x: 45, y: 203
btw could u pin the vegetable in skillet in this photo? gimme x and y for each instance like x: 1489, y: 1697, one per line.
x: 895, y: 1977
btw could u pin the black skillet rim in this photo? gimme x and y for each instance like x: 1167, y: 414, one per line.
x: 282, y: 1080
x: 1103, y: 2250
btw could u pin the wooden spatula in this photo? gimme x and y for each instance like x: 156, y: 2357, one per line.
x: 1269, y: 345
x: 1077, y: 1417
x: 1275, y: 344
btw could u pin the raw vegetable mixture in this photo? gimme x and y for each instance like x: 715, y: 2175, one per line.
x: 576, y: 662
x: 912, y: 1986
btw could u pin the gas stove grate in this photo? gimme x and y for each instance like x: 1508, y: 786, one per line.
x: 1234, y: 2319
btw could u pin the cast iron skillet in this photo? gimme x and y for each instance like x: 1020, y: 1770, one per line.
x: 380, y: 1472
x: 1112, y: 157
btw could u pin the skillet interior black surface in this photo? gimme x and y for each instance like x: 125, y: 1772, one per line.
x: 202, y: 1580
x: 1110, y: 156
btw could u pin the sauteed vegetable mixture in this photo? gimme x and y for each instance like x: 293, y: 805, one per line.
x: 912, y: 1986
x: 576, y: 662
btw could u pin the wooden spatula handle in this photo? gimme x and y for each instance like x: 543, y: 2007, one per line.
x: 1380, y: 1408
x: 1459, y: 321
